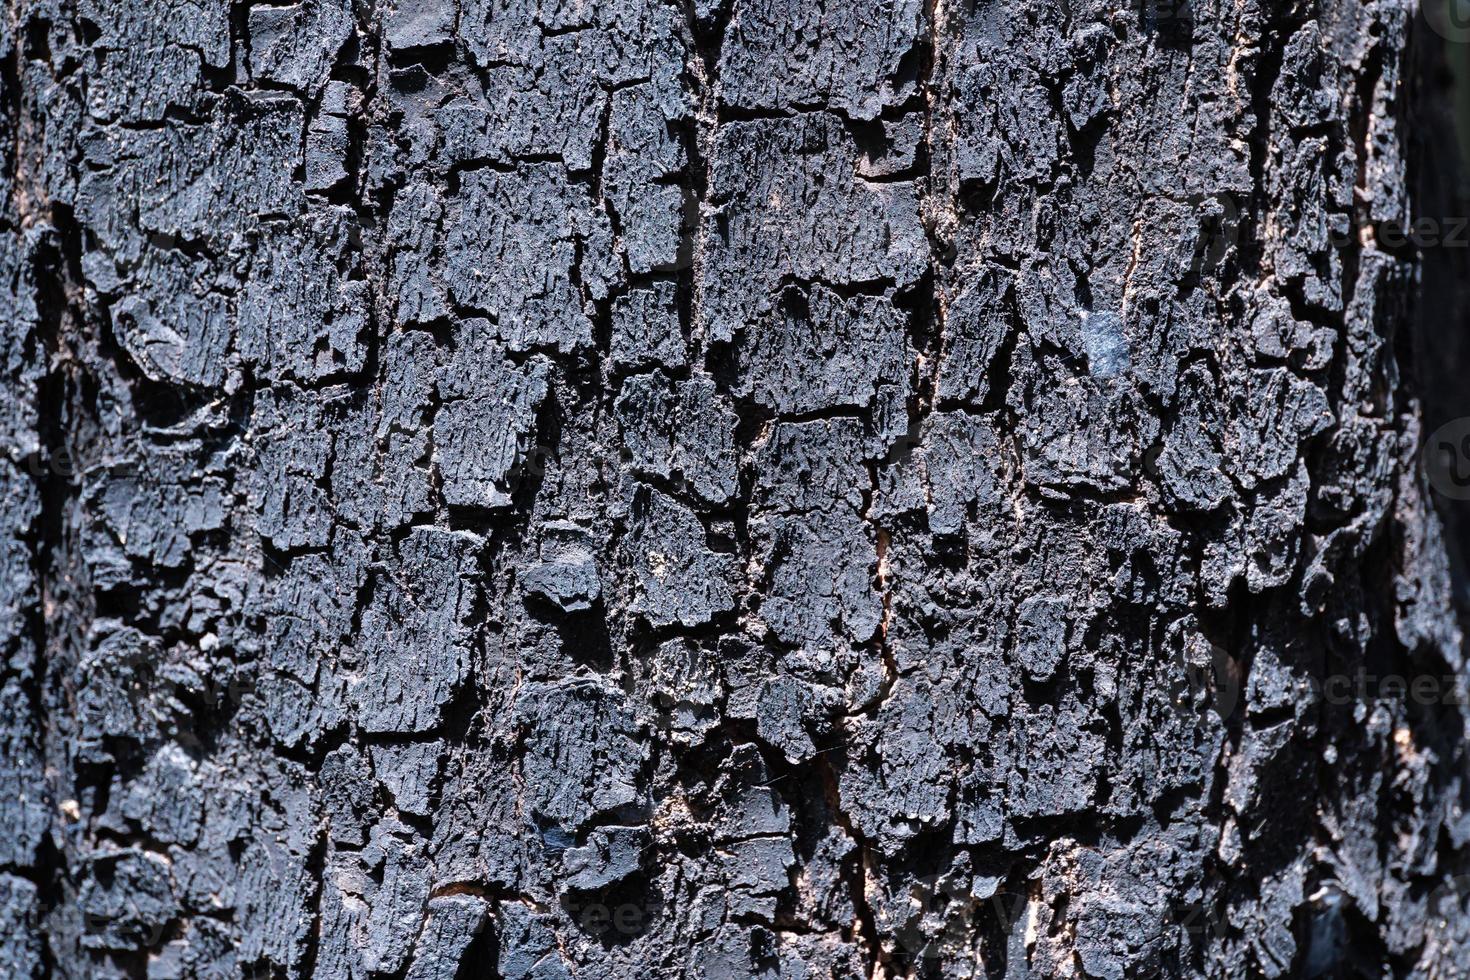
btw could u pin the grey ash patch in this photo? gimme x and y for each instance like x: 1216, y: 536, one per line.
x: 1106, y: 344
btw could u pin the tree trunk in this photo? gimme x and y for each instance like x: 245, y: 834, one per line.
x: 621, y: 489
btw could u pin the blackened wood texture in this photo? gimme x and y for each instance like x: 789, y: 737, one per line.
x: 746, y: 488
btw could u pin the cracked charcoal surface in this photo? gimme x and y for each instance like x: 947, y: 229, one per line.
x: 730, y: 488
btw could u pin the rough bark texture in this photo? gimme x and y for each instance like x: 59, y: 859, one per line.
x: 732, y: 489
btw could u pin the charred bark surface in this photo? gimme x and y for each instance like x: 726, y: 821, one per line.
x: 717, y: 488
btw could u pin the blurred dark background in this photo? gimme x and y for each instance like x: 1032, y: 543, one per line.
x: 1438, y: 112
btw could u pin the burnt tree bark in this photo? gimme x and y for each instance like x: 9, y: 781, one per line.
x: 727, y: 488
